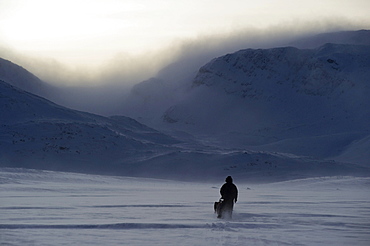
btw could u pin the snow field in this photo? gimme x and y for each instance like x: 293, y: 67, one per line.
x: 55, y: 208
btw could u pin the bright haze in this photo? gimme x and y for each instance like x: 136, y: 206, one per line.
x: 79, y: 43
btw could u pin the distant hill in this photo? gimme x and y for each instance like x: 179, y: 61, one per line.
x: 37, y: 133
x: 174, y: 82
x: 360, y: 37
x: 21, y: 78
x: 256, y: 114
x: 277, y: 97
x: 284, y: 85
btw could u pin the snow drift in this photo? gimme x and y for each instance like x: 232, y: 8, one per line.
x: 80, y: 209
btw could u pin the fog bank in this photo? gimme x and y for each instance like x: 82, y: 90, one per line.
x: 102, y: 89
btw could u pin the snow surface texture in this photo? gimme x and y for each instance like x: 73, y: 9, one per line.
x: 54, y: 208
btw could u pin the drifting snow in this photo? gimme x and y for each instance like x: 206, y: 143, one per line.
x: 43, y: 208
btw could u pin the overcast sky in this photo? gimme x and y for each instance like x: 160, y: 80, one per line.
x: 90, y: 32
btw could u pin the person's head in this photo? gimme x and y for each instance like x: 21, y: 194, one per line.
x: 229, y: 179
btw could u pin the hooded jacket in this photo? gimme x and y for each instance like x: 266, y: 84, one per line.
x: 229, y: 191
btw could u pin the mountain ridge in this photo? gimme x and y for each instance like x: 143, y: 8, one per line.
x: 272, y: 114
x: 35, y: 132
x: 266, y: 96
x: 75, y: 141
x: 18, y: 76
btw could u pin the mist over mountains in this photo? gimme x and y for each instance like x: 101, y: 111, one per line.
x: 21, y: 78
x: 37, y: 133
x: 262, y: 114
x: 297, y: 91
x: 175, y: 80
x: 281, y: 99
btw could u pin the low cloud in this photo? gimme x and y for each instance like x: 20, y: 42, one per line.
x: 103, y: 88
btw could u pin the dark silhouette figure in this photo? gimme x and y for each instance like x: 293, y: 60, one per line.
x: 229, y: 195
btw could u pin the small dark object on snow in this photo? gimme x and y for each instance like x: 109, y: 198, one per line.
x: 217, y: 206
x: 229, y: 195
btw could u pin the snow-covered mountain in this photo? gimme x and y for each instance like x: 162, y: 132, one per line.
x: 37, y: 133
x: 147, y: 99
x: 257, y: 114
x: 307, y: 102
x: 360, y: 37
x: 310, y: 100
x: 21, y: 78
x: 302, y: 85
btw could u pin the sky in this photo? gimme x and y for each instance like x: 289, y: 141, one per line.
x: 82, y: 35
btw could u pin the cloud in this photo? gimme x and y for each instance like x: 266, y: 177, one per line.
x: 103, y: 88
x: 127, y: 68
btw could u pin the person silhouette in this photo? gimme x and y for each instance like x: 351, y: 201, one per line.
x: 229, y: 196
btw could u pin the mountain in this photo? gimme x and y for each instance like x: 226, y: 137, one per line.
x: 148, y: 100
x: 37, y: 133
x: 299, y: 84
x: 256, y: 114
x: 302, y: 101
x: 21, y: 78
x: 360, y: 37
x: 309, y: 98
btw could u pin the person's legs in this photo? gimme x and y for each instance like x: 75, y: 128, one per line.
x: 219, y: 210
x: 226, y: 209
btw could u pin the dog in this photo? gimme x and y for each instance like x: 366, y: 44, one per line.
x: 217, y: 206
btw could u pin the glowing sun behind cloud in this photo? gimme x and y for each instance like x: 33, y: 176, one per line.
x: 87, y: 32
x: 73, y: 29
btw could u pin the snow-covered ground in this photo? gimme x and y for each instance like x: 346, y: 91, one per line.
x: 55, y: 208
